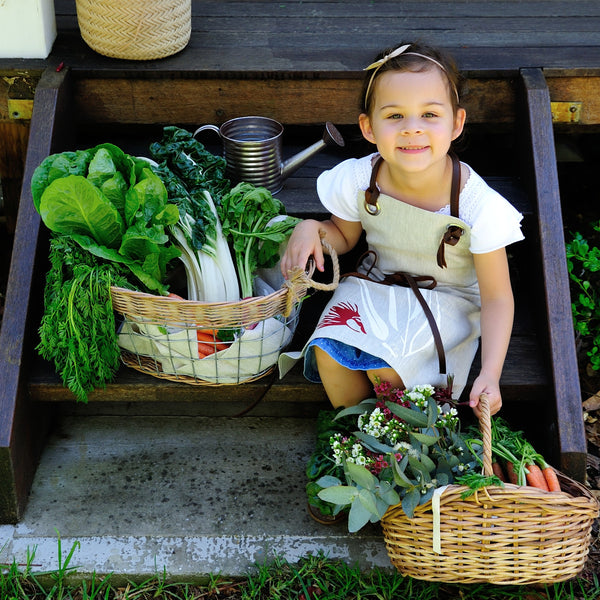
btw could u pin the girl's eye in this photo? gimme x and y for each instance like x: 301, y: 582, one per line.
x: 395, y: 116
x: 429, y: 115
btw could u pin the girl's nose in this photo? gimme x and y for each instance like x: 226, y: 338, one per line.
x: 412, y: 125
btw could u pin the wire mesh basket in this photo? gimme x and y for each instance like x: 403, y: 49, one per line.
x: 500, y: 535
x: 211, y: 343
x: 136, y: 29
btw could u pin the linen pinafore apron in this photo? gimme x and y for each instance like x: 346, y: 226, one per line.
x: 390, y: 321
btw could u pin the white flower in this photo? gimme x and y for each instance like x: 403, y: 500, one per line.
x: 427, y: 390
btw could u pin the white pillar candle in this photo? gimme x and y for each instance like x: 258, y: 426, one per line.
x: 27, y: 28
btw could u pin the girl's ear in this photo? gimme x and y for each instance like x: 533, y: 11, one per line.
x: 365, y: 127
x: 459, y: 122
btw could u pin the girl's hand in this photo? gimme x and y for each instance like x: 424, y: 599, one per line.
x: 304, y: 242
x: 490, y: 387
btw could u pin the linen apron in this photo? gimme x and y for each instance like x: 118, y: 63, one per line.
x: 388, y: 321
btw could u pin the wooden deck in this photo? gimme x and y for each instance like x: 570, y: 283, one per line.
x: 301, y: 63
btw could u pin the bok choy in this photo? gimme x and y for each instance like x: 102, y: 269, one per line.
x: 193, y: 176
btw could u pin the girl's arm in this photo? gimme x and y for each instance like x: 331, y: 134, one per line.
x: 497, y: 312
x: 305, y: 241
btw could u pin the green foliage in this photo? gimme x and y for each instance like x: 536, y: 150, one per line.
x: 108, y: 214
x: 124, y: 225
x: 583, y: 263
x: 255, y: 225
x: 401, y: 446
x: 312, y: 576
x: 77, y: 331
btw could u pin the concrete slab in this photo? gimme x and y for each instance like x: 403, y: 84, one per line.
x: 187, y: 496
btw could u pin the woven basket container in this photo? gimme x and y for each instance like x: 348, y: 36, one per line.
x: 135, y: 29
x: 500, y: 535
x: 163, y: 336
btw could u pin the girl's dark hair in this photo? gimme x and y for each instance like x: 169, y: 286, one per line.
x: 410, y: 62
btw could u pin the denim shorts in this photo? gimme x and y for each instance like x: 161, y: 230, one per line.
x: 348, y: 356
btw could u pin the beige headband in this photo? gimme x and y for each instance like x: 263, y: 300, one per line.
x: 397, y: 52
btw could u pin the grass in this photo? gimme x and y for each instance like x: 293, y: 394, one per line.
x: 313, y: 577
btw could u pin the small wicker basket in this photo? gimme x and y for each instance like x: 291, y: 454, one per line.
x: 161, y: 336
x: 135, y: 29
x: 500, y: 535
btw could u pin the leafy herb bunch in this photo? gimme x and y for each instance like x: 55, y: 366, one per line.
x: 403, y: 444
x: 583, y: 263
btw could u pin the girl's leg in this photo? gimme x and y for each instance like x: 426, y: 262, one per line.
x: 386, y: 375
x: 344, y: 387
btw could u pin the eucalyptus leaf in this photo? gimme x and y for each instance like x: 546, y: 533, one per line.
x: 373, y: 444
x: 432, y: 411
x: 361, y: 475
x: 426, y: 497
x: 428, y: 440
x: 358, y: 516
x: 390, y: 496
x: 341, y: 494
x: 411, y: 416
x: 400, y: 477
x: 410, y: 501
x: 357, y: 409
x: 427, y: 463
x: 328, y: 481
x: 417, y: 466
x: 367, y: 499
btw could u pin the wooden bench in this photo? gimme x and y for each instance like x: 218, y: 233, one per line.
x: 540, y: 381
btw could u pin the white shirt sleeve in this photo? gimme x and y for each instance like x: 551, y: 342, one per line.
x: 338, y: 187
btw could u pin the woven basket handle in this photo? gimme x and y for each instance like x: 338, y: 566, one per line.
x: 327, y: 287
x: 485, y: 426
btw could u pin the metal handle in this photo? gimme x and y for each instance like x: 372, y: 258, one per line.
x: 211, y: 127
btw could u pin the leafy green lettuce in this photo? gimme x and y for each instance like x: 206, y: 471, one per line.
x: 112, y: 205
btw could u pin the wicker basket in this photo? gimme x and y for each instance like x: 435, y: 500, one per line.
x: 160, y: 335
x: 509, y: 535
x: 135, y: 29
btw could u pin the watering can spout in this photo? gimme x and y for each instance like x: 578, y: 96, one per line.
x: 331, y: 137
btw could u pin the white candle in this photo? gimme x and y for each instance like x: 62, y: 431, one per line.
x: 27, y: 28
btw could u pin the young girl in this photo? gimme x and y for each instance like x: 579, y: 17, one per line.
x: 435, y: 277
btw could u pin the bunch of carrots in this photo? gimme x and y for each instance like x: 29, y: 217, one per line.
x: 208, y: 339
x: 516, y: 461
x: 209, y: 343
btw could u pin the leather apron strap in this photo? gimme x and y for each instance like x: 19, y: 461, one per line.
x: 451, y: 236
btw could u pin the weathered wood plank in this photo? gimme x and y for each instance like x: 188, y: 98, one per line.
x: 561, y: 345
x: 23, y: 423
x: 193, y: 102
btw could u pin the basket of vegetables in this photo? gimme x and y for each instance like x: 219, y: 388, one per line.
x: 536, y: 530
x: 159, y: 263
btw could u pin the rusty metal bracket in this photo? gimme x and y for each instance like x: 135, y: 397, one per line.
x: 565, y: 112
x: 19, y: 108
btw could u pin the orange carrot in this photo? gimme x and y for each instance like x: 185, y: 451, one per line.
x: 498, y: 471
x: 172, y: 295
x: 205, y: 349
x: 535, y: 477
x: 513, y: 477
x: 215, y: 342
x: 213, y: 332
x: 551, y: 479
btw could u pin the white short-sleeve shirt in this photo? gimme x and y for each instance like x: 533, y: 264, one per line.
x: 494, y: 221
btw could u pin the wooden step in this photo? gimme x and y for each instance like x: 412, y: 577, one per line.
x: 540, y: 382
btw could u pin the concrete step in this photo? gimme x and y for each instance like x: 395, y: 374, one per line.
x: 192, y: 495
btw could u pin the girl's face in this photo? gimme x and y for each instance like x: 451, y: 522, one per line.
x: 412, y: 122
